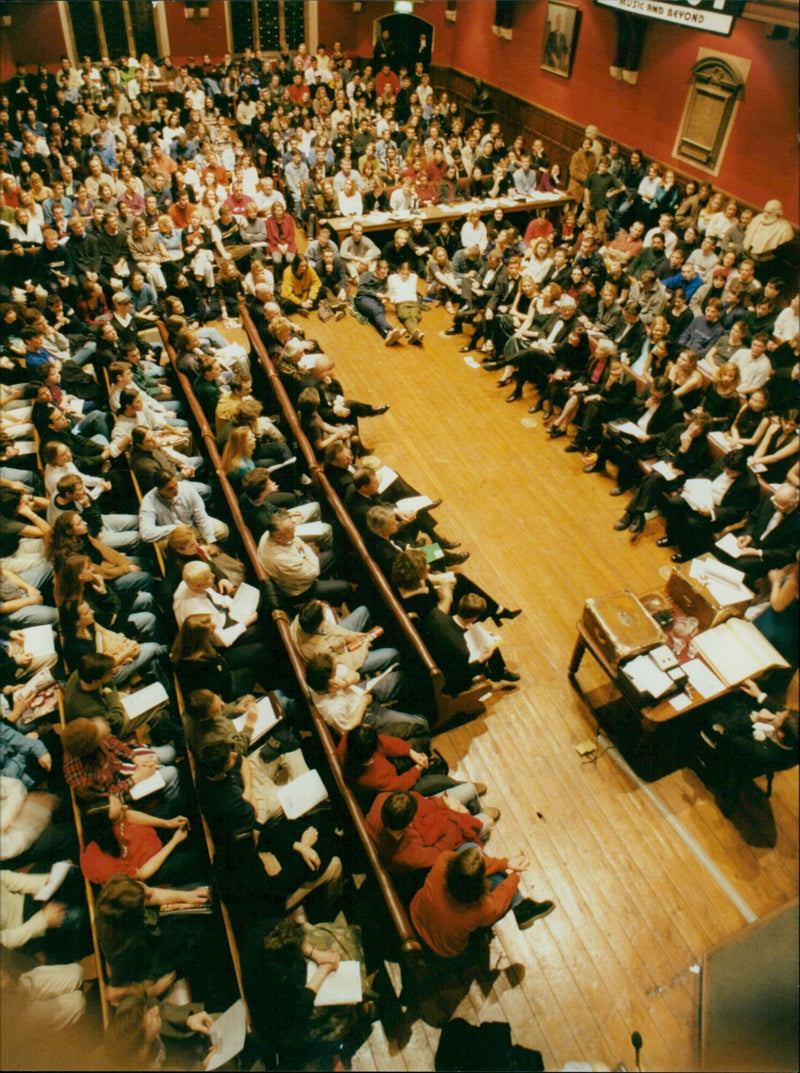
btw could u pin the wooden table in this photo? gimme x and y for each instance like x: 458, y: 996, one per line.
x: 434, y: 214
x: 651, y: 715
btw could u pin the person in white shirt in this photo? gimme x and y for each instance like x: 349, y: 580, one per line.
x: 402, y: 287
x: 120, y: 531
x: 172, y: 502
x: 266, y: 195
x: 404, y: 198
x: 664, y: 226
x: 344, y: 705
x: 350, y: 201
x: 473, y: 232
x: 294, y: 566
x: 754, y: 365
x: 196, y: 595
x: 786, y: 326
x: 359, y: 253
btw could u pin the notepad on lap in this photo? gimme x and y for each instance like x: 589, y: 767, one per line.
x: 245, y: 602
x: 414, y: 503
x: 39, y: 640
x: 386, y: 476
x: 267, y: 718
x: 143, y: 700
x: 302, y: 794
x: 148, y: 786
x: 339, y: 988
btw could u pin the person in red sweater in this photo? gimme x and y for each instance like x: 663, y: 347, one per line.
x: 411, y: 831
x: 378, y: 763
x: 466, y: 891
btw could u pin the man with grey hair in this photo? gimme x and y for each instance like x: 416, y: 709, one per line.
x: 537, y: 362
x: 768, y: 539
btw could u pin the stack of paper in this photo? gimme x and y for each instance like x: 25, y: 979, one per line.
x: 385, y: 476
x: 478, y: 641
x: 647, y: 677
x: 245, y: 602
x: 414, y: 503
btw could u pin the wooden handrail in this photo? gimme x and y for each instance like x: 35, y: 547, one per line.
x: 397, y: 912
x: 393, y: 605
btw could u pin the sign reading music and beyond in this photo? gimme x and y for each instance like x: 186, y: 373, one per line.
x: 712, y: 16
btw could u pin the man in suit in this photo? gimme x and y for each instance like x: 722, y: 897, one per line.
x: 653, y: 413
x: 446, y: 641
x: 631, y: 333
x: 768, y: 540
x: 537, y: 362
x: 734, y: 492
x: 363, y: 494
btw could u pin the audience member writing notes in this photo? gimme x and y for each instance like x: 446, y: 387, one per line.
x: 302, y: 794
x: 267, y: 718
x: 339, y: 988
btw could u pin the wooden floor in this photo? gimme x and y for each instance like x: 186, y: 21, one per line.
x: 637, y: 903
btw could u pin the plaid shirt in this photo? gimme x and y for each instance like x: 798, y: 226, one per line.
x: 102, y: 773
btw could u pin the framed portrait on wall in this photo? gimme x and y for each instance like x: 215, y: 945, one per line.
x: 560, y: 38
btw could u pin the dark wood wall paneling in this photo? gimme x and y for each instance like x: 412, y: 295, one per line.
x: 561, y: 136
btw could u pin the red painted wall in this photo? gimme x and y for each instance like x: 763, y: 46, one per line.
x: 193, y: 37
x: 764, y: 129
x: 35, y: 36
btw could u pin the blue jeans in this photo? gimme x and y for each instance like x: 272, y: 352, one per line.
x: 150, y: 651
x: 85, y: 353
x: 379, y: 717
x: 38, y: 575
x: 466, y: 793
x: 136, y: 582
x: 372, y: 309
x: 166, y: 756
x: 378, y: 659
x: 32, y: 615
x: 97, y: 423
x: 496, y: 879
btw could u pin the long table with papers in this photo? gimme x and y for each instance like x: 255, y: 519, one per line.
x: 384, y: 221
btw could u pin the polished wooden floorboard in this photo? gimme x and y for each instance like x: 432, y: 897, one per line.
x: 636, y: 909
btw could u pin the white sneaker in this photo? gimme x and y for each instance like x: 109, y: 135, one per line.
x: 393, y: 336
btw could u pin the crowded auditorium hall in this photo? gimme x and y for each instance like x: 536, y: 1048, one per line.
x: 399, y: 431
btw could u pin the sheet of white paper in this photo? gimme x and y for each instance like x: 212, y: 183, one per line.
x: 679, y: 702
x: 245, y: 602
x: 39, y: 640
x: 665, y: 469
x: 628, y: 428
x: 415, y: 503
x: 729, y: 545
x: 142, y: 700
x: 370, y: 683
x: 702, y: 678
x: 471, y: 362
x: 57, y: 875
x: 340, y: 988
x: 726, y: 594
x: 228, y: 1033
x: 267, y: 718
x: 478, y: 640
x: 302, y: 794
x: 148, y: 786
x: 385, y: 477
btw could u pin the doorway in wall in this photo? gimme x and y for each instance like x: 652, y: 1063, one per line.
x: 411, y: 37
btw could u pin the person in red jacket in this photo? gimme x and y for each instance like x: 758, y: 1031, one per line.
x: 411, y: 831
x: 466, y: 891
x: 377, y: 763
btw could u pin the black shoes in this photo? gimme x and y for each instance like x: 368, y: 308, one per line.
x: 624, y: 522
x: 528, y: 912
x: 378, y: 410
x: 571, y: 449
x: 594, y: 467
x: 514, y: 396
x: 446, y: 545
x: 679, y: 557
x: 455, y: 558
x: 557, y: 433
x: 664, y: 542
x: 537, y: 406
x: 637, y: 525
x: 504, y: 613
x: 465, y: 349
x: 454, y: 330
